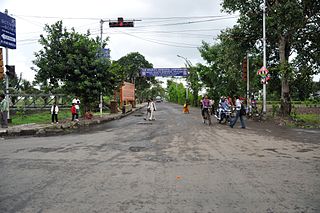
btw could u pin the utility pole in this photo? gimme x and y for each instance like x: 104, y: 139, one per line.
x: 264, y: 109
x: 112, y: 23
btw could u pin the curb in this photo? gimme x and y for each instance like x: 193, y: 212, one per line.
x: 49, y: 130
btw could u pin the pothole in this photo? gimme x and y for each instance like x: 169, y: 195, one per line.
x: 138, y: 115
x: 145, y: 123
x: 305, y: 150
x: 136, y: 148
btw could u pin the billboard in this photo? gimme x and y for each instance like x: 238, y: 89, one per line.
x: 127, y: 93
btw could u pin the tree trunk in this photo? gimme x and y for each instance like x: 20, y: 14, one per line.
x: 285, y: 91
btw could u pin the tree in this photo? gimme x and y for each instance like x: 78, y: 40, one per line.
x: 129, y: 70
x: 222, y: 74
x: 292, y: 26
x: 73, y: 62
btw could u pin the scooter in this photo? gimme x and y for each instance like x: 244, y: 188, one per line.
x: 225, y: 115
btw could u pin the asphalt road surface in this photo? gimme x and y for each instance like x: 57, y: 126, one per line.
x: 173, y: 164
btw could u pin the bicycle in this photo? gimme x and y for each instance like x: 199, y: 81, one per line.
x: 206, y: 116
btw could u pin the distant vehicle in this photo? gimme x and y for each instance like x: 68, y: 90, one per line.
x: 158, y: 99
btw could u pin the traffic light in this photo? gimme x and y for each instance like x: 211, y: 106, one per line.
x: 1, y: 65
x: 11, y: 71
x: 244, y: 69
x: 121, y: 23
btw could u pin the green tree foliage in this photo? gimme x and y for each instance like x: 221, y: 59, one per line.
x: 222, y: 74
x: 292, y: 27
x: 193, y: 80
x: 128, y: 69
x: 73, y: 62
x: 176, y: 92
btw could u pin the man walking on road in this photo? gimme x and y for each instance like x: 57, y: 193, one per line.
x: 4, y: 108
x: 152, y: 109
x: 239, y: 114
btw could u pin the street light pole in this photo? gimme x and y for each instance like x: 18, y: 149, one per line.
x: 188, y: 63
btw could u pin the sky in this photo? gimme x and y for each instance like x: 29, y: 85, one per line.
x: 163, y: 30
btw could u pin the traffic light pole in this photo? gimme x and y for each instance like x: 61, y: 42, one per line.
x: 7, y: 78
x: 101, y: 32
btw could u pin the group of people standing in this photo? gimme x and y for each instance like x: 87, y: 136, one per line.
x: 75, y: 111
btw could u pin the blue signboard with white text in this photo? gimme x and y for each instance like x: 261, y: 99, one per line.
x: 163, y: 72
x: 7, y: 31
x: 106, y: 53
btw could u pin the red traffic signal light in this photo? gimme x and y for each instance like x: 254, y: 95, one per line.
x: 11, y: 71
x: 121, y: 23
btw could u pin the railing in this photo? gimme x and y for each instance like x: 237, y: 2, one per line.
x: 39, y: 101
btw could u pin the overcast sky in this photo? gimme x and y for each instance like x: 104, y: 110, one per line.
x: 167, y: 28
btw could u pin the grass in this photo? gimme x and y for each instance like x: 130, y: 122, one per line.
x: 309, y: 118
x: 39, y: 118
x: 43, y: 117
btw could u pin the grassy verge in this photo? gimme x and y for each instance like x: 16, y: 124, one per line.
x: 39, y: 118
x: 309, y: 118
x: 44, y: 117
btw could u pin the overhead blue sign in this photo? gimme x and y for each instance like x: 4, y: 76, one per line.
x: 163, y: 72
x: 7, y: 31
x: 106, y: 52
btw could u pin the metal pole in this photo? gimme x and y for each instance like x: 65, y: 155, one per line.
x: 264, y: 110
x: 248, y: 84
x: 189, y: 64
x: 101, y: 32
x: 7, y: 78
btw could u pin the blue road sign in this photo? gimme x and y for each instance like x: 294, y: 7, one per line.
x: 163, y: 72
x: 7, y: 31
x: 106, y: 52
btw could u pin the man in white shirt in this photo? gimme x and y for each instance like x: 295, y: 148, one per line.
x: 152, y: 109
x: 238, y: 109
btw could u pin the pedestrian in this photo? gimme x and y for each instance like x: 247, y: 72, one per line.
x: 148, y: 110
x: 152, y: 109
x: 4, y: 109
x: 77, y: 102
x: 74, y: 112
x: 186, y: 107
x: 240, y: 112
x: 54, y: 113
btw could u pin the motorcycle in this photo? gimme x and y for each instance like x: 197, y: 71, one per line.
x: 225, y: 115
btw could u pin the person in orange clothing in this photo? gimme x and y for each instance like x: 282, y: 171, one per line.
x: 186, y: 108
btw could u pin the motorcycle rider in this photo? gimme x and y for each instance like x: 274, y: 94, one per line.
x: 223, y: 106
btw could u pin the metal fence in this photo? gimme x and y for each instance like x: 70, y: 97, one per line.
x: 39, y: 101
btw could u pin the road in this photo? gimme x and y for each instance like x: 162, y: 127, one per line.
x: 173, y: 164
